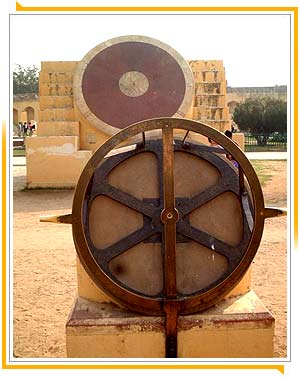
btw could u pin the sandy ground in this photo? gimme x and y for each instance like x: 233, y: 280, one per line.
x: 44, y: 267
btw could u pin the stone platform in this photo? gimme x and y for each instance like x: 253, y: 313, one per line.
x: 237, y: 327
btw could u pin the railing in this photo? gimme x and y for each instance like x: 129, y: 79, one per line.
x: 275, y: 142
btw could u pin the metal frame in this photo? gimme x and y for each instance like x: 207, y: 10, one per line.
x: 136, y: 301
x: 157, y: 212
x: 168, y: 219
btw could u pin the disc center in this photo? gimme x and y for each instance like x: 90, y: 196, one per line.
x: 133, y: 84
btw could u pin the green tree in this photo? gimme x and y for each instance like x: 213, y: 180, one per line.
x: 261, y: 117
x: 25, y: 80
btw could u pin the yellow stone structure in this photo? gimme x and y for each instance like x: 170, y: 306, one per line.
x: 238, y: 327
x: 210, y: 94
x: 210, y: 99
x: 55, y: 157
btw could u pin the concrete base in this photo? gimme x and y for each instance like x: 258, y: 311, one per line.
x: 239, y: 327
x: 54, y: 161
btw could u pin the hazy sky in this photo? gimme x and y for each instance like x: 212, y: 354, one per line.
x: 255, y: 49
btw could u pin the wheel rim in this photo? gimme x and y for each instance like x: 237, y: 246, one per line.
x: 98, y: 270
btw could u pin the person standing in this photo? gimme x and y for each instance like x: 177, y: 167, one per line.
x: 233, y: 161
x: 20, y: 129
x: 25, y: 128
x: 30, y: 128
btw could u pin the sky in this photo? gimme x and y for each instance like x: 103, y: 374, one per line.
x: 255, y: 48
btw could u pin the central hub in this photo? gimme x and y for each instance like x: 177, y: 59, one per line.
x: 133, y: 84
x: 169, y: 215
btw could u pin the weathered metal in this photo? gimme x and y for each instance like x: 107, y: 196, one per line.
x: 169, y: 220
x: 59, y: 219
x: 88, y: 254
x: 136, y: 76
x: 169, y: 217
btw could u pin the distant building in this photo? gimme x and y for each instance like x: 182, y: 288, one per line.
x: 26, y: 107
x: 236, y: 95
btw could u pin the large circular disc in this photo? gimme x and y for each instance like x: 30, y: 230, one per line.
x: 129, y: 79
x: 94, y: 192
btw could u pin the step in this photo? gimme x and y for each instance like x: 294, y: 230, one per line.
x: 239, y: 327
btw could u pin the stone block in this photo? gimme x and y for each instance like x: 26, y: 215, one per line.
x: 239, y: 138
x: 205, y: 65
x: 58, y: 129
x: 62, y: 114
x: 226, y: 115
x: 56, y: 102
x: 55, y: 77
x: 54, y: 161
x: 211, y: 76
x: 197, y: 76
x: 56, y: 89
x: 238, y: 327
x: 59, y: 66
x: 87, y: 289
x: 221, y: 76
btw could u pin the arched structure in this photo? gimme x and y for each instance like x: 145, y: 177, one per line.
x: 15, y: 116
x: 30, y: 113
x: 232, y: 105
x: 26, y: 107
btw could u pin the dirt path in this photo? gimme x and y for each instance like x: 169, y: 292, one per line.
x: 44, y: 265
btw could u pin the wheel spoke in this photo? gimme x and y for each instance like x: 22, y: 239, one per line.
x: 126, y: 199
x: 104, y: 256
x: 208, y: 195
x: 207, y: 240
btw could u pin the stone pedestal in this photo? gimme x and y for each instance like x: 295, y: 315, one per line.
x: 237, y: 327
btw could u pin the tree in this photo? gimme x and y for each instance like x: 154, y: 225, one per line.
x: 25, y: 80
x: 261, y: 117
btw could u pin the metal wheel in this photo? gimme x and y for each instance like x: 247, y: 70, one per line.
x: 169, y: 221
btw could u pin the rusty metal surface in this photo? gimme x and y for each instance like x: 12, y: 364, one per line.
x: 169, y: 217
x: 169, y: 214
x: 101, y: 90
x: 274, y: 212
x: 171, y: 309
x: 92, y: 183
x: 152, y: 210
x: 136, y: 76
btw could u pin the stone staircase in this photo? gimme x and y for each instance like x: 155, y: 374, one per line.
x: 54, y: 157
x: 210, y: 94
